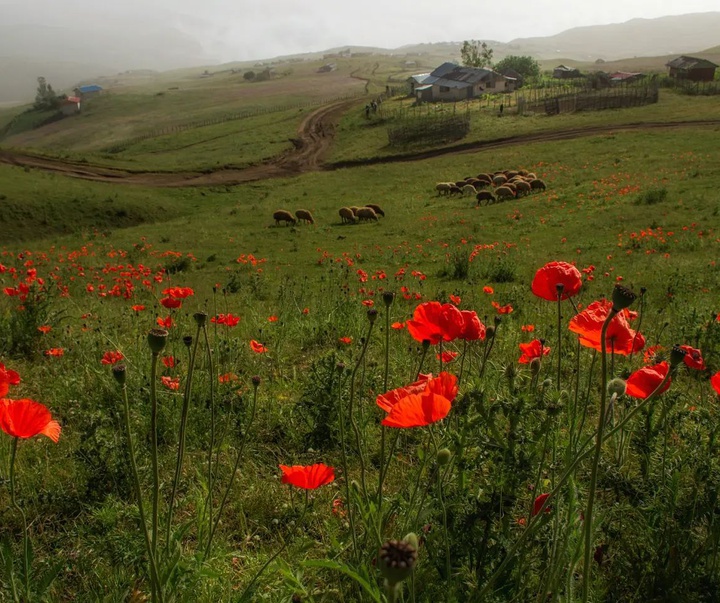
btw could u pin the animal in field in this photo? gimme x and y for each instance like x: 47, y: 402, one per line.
x: 485, y: 198
x: 282, y: 215
x: 376, y: 208
x: 365, y: 213
x: 303, y: 215
x: 347, y: 216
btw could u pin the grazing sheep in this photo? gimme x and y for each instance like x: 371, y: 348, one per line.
x: 522, y: 188
x: 510, y: 174
x: 472, y: 181
x: 499, y: 180
x: 347, y: 215
x: 455, y: 190
x: 537, y: 185
x: 511, y: 186
x: 443, y: 188
x: 523, y: 172
x: 531, y: 175
x: 366, y: 213
x: 376, y: 208
x: 283, y: 216
x: 305, y: 216
x: 486, y: 177
x: 354, y: 209
x: 503, y: 193
x: 485, y: 198
x: 468, y: 189
x: 460, y: 183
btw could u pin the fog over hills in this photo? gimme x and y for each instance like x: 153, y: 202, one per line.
x: 72, y: 41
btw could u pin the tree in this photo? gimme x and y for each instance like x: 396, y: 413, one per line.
x: 45, y: 97
x: 249, y: 76
x: 476, y: 54
x: 526, y: 66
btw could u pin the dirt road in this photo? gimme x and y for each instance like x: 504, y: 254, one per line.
x: 315, y: 135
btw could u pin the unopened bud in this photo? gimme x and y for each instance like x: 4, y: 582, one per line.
x: 388, y: 297
x: 372, y: 315
x: 396, y: 560
x: 490, y: 332
x: 118, y: 371
x: 157, y: 338
x: 443, y: 456
x: 187, y: 340
x: 255, y: 380
x: 617, y: 386
x: 535, y: 366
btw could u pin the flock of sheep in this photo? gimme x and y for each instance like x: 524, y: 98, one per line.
x: 348, y: 215
x: 506, y: 184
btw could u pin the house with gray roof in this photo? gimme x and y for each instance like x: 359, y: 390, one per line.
x: 691, y: 68
x: 452, y: 82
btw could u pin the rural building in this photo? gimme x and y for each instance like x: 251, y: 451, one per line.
x: 690, y: 68
x: 511, y: 73
x: 70, y: 105
x: 85, y: 92
x: 624, y: 77
x: 327, y: 67
x: 451, y: 82
x: 563, y: 72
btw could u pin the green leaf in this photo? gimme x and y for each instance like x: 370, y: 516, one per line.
x: 349, y: 572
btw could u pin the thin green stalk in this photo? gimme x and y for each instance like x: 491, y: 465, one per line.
x: 559, y: 331
x: 154, y: 576
x: 383, y: 429
x: 211, y: 370
x: 443, y: 507
x: 241, y: 449
x: 596, y: 461
x: 154, y: 453
x: 346, y: 475
x: 181, y: 441
x: 26, y: 540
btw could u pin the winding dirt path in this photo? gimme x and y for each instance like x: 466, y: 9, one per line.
x: 315, y: 135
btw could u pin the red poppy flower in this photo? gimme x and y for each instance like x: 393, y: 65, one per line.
x: 307, y: 477
x: 226, y: 319
x: 227, y: 377
x: 506, y: 309
x: 446, y: 356
x: 430, y: 405
x: 172, y: 383
x: 44, y: 329
x: 715, y: 382
x: 455, y: 299
x: 112, y: 357
x: 345, y: 340
x: 488, y: 290
x: 534, y: 349
x: 165, y: 323
x: 538, y: 504
x: 27, y: 418
x: 169, y: 361
x: 138, y: 308
x: 434, y: 322
x: 693, y: 358
x: 652, y: 353
x: 473, y: 329
x: 645, y: 381
x: 387, y: 400
x: 620, y: 338
x: 306, y: 311
x: 553, y: 274
x: 55, y: 352
x: 257, y: 347
x: 397, y: 326
x: 527, y: 328
x: 273, y: 318
x: 368, y: 303
x: 7, y: 378
x: 178, y: 292
x: 170, y: 303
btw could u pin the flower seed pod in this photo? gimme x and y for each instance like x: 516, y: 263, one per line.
x: 157, y: 338
x: 256, y: 380
x: 119, y: 372
x: 396, y: 560
x: 187, y: 340
x: 622, y: 298
x: 388, y: 297
x: 200, y: 318
x: 616, y: 386
x: 677, y: 355
x: 372, y: 315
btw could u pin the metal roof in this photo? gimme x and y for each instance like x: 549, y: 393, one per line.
x: 455, y: 76
x: 90, y: 88
x: 685, y: 62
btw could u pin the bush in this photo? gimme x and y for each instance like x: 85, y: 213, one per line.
x: 652, y: 196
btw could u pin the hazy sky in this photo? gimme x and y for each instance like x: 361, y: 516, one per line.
x: 253, y: 29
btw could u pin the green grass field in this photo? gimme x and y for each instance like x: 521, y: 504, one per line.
x: 639, y: 208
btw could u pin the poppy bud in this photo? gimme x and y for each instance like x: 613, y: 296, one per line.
x: 355, y: 485
x: 340, y: 367
x: 535, y: 366
x: 425, y: 344
x: 490, y: 332
x: 622, y: 297
x: 497, y: 320
x: 388, y: 297
x: 187, y: 340
x: 396, y: 560
x: 547, y: 383
x: 200, y: 318
x: 157, y: 339
x: 256, y: 380
x: 372, y: 315
x: 510, y: 371
x: 118, y: 372
x: 443, y: 456
x: 617, y: 386
x: 677, y: 355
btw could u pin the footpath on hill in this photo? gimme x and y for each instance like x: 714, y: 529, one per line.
x: 315, y: 135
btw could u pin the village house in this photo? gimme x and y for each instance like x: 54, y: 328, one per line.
x: 625, y: 77
x: 692, y: 69
x: 70, y: 105
x: 85, y: 92
x: 451, y: 82
x: 563, y: 72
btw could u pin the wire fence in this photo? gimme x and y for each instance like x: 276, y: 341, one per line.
x: 692, y: 88
x: 591, y: 100
x: 428, y: 123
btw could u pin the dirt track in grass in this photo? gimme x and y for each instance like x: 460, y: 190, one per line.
x: 314, y: 138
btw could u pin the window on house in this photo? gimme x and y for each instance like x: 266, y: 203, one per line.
x: 444, y: 89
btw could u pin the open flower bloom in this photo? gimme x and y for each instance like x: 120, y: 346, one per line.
x: 419, y: 404
x: 715, y: 382
x: 436, y: 322
x: 308, y: 477
x: 534, y: 349
x: 387, y: 400
x: 538, y: 504
x: 257, y: 347
x: 446, y: 356
x: 27, y: 418
x: 693, y: 358
x: 172, y: 383
x: 228, y: 320
x: 112, y: 357
x: 645, y: 381
x: 473, y: 328
x: 178, y: 292
x: 553, y: 274
x: 7, y: 378
x: 171, y: 303
x: 619, y: 339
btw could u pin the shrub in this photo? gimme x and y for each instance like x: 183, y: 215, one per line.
x: 652, y: 196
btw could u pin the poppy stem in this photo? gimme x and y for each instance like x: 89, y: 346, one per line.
x: 154, y: 579
x: 211, y: 370
x: 588, y: 520
x: 383, y: 428
x: 181, y: 441
x: 559, y: 344
x: 346, y: 475
x: 443, y: 507
x: 26, y: 540
x: 422, y: 360
x: 154, y: 452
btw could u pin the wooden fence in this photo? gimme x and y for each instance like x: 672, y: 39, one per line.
x: 591, y: 100
x: 428, y: 123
